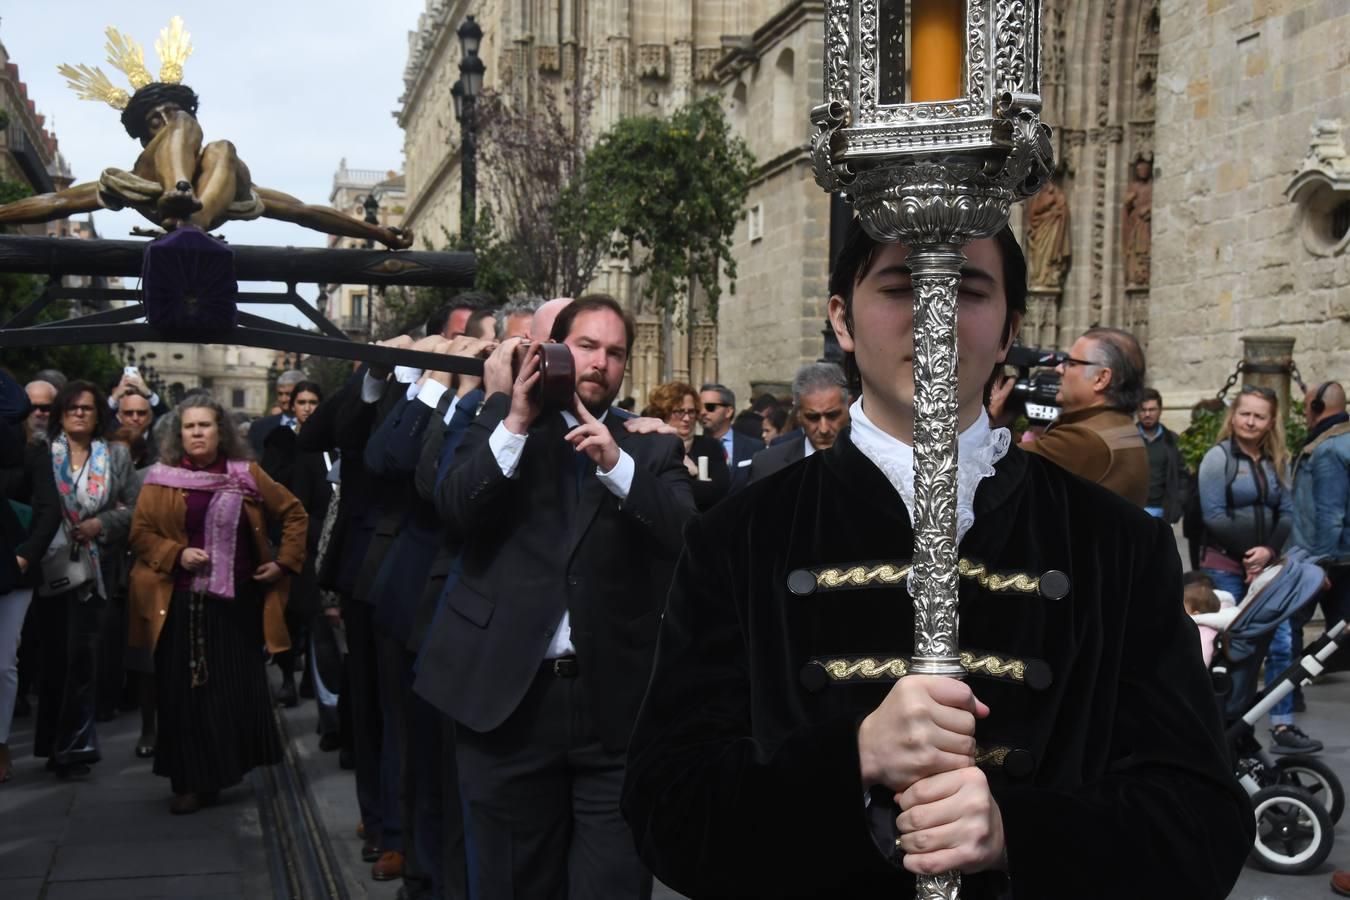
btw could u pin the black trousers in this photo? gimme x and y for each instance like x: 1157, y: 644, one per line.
x: 112, y: 647
x: 543, y: 801
x: 362, y: 693
x: 69, y: 626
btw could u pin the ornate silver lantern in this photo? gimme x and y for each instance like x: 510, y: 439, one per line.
x: 931, y: 130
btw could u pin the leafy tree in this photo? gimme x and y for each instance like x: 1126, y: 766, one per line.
x: 531, y: 156
x: 672, y: 190
x: 91, y: 362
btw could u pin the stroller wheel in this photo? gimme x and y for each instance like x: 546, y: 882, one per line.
x: 1315, y: 777
x: 1293, y: 831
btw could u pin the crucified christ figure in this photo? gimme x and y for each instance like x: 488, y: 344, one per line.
x: 178, y: 180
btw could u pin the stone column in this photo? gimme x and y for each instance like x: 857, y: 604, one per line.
x: 703, y: 354
x: 1040, y: 329
x: 1267, y: 362
x: 645, y: 366
x: 679, y: 350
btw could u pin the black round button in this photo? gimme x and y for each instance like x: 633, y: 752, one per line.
x: 1054, y: 585
x: 814, y: 677
x: 1038, y: 676
x: 1019, y: 763
x: 801, y: 582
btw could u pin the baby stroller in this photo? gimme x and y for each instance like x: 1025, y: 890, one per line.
x: 1297, y: 800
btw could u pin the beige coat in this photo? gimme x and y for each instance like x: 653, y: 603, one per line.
x: 159, y: 536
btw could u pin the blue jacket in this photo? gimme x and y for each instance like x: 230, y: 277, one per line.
x: 1322, y: 495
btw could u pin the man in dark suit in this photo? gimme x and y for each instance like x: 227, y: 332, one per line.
x: 570, y: 526
x: 261, y: 428
x: 718, y: 404
x: 820, y: 399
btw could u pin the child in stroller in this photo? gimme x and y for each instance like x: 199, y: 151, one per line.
x: 1296, y: 798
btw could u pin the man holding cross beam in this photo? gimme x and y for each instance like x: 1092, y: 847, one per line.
x: 780, y: 752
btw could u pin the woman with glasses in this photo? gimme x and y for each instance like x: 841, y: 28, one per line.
x: 1248, y: 512
x: 676, y: 403
x: 98, y: 486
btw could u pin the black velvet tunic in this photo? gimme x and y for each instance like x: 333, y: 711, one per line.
x: 785, y: 627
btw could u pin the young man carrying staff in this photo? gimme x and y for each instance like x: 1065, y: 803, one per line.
x: 779, y: 752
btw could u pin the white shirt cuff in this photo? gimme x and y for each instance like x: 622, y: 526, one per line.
x: 154, y: 401
x: 431, y: 392
x: 450, y: 413
x: 411, y: 393
x: 619, y: 479
x: 406, y: 374
x: 372, y: 389
x: 506, y: 449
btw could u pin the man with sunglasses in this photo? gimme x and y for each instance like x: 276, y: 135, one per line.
x: 40, y: 395
x: 1101, y: 385
x: 718, y: 404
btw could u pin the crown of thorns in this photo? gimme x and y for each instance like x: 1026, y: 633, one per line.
x: 174, y: 46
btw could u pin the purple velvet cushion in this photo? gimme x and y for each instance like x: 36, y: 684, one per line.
x: 188, y: 282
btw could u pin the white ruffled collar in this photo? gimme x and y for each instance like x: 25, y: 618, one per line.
x: 980, y: 448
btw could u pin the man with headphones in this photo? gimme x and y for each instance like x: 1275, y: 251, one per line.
x: 1322, y: 499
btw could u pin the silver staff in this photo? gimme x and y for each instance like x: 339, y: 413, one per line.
x: 934, y: 175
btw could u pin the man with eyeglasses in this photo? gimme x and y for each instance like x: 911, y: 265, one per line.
x: 135, y: 414
x: 1101, y: 385
x: 718, y: 408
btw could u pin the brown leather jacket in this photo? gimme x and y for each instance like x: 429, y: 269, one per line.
x: 1101, y: 445
x: 159, y: 536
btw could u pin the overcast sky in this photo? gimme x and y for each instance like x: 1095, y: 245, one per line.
x: 297, y: 85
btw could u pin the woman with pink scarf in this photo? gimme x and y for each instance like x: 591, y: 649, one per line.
x: 207, y: 591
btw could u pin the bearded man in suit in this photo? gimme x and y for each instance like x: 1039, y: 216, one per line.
x: 569, y: 526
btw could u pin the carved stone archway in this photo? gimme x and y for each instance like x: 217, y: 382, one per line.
x: 1099, y: 83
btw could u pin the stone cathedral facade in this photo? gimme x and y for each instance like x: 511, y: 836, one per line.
x: 1180, y: 126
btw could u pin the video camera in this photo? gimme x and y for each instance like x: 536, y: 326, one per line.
x: 1037, y: 382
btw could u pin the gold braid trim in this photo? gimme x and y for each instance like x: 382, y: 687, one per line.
x: 844, y: 669
x: 870, y: 668
x: 1020, y: 581
x: 993, y: 665
x: 888, y: 573
x: 861, y: 576
x: 993, y: 756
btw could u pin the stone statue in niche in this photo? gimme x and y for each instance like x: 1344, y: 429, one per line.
x: 1137, y: 227
x: 1048, y: 247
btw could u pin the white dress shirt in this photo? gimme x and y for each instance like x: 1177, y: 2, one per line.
x: 979, y: 448
x: 506, y: 448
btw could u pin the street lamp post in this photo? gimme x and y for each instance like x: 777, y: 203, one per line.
x: 372, y: 207
x: 465, y: 95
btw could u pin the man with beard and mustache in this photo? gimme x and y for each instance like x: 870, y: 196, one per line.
x: 570, y: 526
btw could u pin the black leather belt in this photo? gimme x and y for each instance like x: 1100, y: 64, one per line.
x: 562, y: 667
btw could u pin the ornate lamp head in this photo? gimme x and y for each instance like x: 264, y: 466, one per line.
x: 931, y: 125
